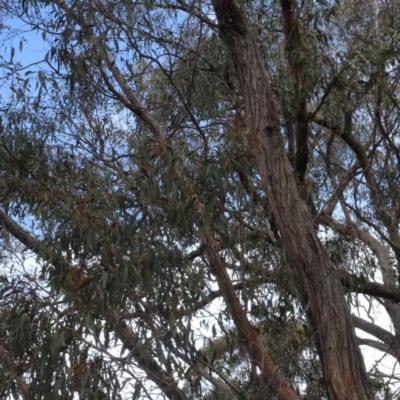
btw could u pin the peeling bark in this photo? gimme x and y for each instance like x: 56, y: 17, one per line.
x: 329, y: 316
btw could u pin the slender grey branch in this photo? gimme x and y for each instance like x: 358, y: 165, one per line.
x: 374, y: 330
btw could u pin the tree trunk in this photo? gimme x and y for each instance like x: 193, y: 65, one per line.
x: 342, y: 363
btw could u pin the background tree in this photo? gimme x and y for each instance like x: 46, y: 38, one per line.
x: 164, y: 155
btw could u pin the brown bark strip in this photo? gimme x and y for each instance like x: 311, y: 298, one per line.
x: 257, y: 352
x: 341, y: 359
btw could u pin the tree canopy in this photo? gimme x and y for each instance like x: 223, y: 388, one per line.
x: 199, y: 199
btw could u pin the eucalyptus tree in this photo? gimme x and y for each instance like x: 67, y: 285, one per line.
x: 164, y: 155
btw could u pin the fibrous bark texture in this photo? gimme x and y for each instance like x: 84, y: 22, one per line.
x: 321, y: 290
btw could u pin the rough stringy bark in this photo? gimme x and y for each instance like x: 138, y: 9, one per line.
x: 329, y: 316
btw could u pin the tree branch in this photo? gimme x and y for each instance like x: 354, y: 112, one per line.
x: 259, y: 355
x: 154, y: 372
x: 374, y: 330
x: 135, y: 104
x: 294, y: 55
x: 375, y: 344
x: 321, y: 291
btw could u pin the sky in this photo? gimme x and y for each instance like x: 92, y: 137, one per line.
x: 34, y: 49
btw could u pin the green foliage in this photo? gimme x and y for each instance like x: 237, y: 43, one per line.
x: 119, y: 295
